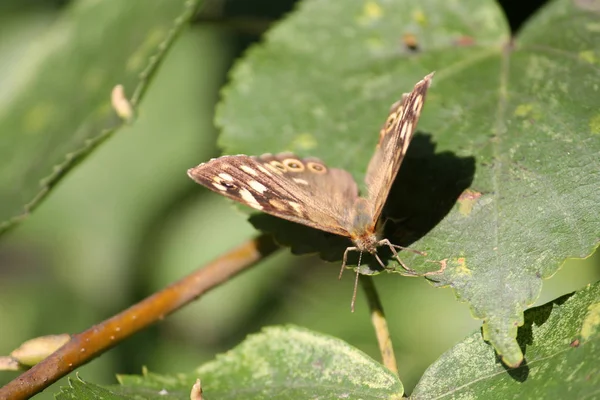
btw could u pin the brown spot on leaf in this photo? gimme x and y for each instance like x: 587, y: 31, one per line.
x: 467, y: 200
x: 461, y: 266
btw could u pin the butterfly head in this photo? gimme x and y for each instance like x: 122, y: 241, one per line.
x: 366, y: 242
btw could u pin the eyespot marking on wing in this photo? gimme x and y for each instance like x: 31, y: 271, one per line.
x: 391, y: 120
x: 277, y: 166
x: 293, y: 165
x: 316, y: 167
x: 217, y: 180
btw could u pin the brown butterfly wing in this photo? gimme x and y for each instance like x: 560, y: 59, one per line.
x: 394, y: 138
x: 304, y: 191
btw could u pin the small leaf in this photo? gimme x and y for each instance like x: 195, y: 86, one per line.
x: 35, y: 350
x: 561, y: 342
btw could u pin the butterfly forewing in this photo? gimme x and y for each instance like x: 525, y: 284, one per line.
x: 303, y: 191
x: 394, y: 138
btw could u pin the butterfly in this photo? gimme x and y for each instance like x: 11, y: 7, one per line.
x: 308, y: 192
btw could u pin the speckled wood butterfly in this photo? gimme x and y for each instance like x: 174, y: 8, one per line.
x: 306, y: 191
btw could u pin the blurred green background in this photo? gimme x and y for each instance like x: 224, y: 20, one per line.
x: 128, y: 221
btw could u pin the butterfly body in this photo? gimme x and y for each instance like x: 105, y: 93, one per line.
x: 362, y: 230
x: 308, y: 192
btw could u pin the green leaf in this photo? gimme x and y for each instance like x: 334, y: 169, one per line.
x: 59, y: 107
x: 294, y: 363
x: 79, y: 389
x: 561, y: 341
x: 279, y: 363
x: 500, y: 183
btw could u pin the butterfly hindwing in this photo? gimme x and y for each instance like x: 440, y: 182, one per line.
x: 394, y: 138
x: 305, y: 191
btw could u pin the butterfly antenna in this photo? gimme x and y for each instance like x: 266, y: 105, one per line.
x: 353, y: 302
x: 355, y: 290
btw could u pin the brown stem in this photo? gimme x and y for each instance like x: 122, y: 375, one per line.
x: 89, y: 344
x: 379, y: 323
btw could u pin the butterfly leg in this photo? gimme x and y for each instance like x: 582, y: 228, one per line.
x: 345, y: 259
x: 379, y: 260
x: 409, y: 271
x: 421, y: 253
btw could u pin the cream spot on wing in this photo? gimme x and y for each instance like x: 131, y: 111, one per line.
x: 220, y: 187
x: 259, y: 187
x: 249, y: 170
x: 226, y: 177
x: 300, y: 181
x: 264, y: 170
x: 297, y: 207
x: 406, y: 130
x: 418, y: 102
x: 249, y: 199
x: 406, y: 126
x: 278, y: 204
